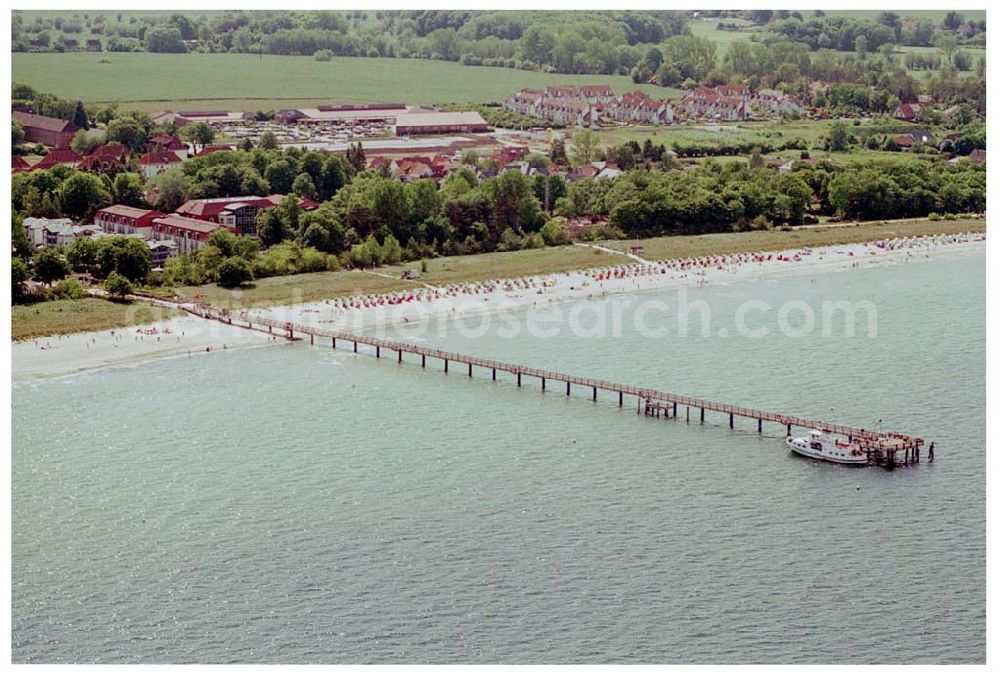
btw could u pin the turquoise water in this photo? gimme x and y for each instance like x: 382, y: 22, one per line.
x: 295, y: 504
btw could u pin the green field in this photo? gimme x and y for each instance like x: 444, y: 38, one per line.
x: 706, y: 28
x: 182, y: 79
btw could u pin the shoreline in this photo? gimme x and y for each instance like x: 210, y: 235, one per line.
x: 66, y: 355
x: 381, y: 311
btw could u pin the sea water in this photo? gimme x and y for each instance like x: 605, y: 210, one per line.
x: 297, y: 504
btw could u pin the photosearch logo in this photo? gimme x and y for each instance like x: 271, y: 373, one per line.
x: 676, y: 316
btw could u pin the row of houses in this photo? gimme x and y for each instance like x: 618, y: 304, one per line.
x: 734, y: 102
x: 589, y: 106
x: 162, y: 152
x: 149, y: 163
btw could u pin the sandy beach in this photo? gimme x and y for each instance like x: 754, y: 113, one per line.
x: 366, y: 312
x: 68, y: 354
x: 61, y: 355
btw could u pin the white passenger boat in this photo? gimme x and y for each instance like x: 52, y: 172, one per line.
x: 822, y: 447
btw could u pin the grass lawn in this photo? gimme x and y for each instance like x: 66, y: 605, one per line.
x: 668, y: 247
x: 60, y: 317
x: 177, y: 80
x: 300, y: 288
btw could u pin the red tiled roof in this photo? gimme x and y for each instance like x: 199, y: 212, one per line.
x: 209, y: 149
x: 28, y: 119
x: 110, y: 150
x: 154, y: 158
x: 55, y: 157
x: 127, y: 211
x: 190, y: 224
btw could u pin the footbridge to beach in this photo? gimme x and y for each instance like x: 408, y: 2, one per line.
x: 881, y: 447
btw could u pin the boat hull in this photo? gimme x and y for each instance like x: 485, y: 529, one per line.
x: 845, y: 456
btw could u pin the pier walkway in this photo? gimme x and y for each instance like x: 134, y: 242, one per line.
x: 882, y: 447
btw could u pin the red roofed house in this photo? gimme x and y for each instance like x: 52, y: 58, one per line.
x: 510, y: 153
x: 165, y: 141
x: 120, y: 219
x: 57, y: 157
x: 209, y: 149
x: 152, y: 163
x: 17, y: 164
x: 105, y: 157
x: 237, y: 213
x: 46, y: 130
x: 188, y: 233
x: 907, y: 111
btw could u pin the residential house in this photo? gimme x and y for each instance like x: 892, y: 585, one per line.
x: 18, y: 164
x: 54, y: 158
x: 711, y: 103
x: 774, y: 103
x: 977, y: 156
x: 164, y: 141
x: 105, y: 158
x: 905, y: 141
x: 211, y: 149
x: 637, y: 107
x: 907, y: 111
x: 596, y: 169
x: 152, y: 163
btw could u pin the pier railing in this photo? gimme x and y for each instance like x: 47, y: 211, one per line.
x: 885, y: 444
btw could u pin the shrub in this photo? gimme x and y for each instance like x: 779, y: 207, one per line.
x: 67, y: 289
x: 554, y: 232
x: 117, y: 285
x: 234, y: 272
x: 323, y: 55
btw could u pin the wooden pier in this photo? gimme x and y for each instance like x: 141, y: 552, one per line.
x: 884, y: 448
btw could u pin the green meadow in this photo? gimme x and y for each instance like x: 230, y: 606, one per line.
x: 177, y: 79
